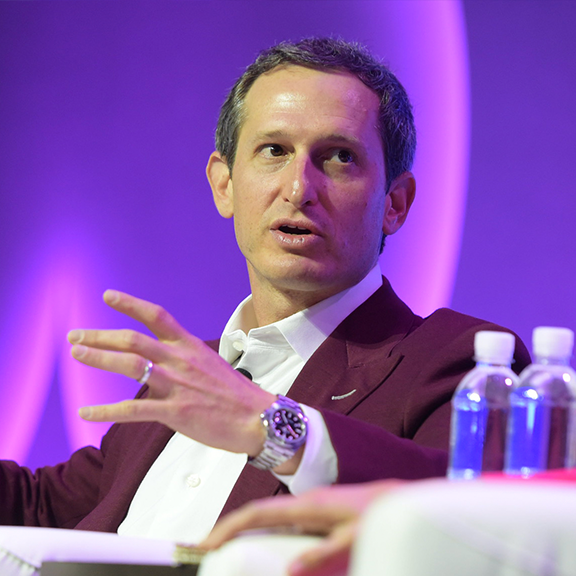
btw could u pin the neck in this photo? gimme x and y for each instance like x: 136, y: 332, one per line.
x: 271, y: 305
x: 272, y: 302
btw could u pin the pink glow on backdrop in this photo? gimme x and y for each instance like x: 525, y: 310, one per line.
x: 55, y: 296
x: 111, y: 110
x: 28, y: 364
x: 429, y: 52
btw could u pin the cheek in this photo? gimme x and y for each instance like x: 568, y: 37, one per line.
x: 364, y: 221
x: 365, y: 211
x: 242, y: 223
x: 247, y: 222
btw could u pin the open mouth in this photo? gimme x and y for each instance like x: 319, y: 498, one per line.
x: 294, y: 230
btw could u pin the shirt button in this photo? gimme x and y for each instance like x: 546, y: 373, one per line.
x: 193, y: 481
x: 238, y: 345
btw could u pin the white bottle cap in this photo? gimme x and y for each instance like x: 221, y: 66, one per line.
x: 550, y: 342
x: 494, y: 347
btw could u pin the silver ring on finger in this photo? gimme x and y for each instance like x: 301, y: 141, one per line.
x: 147, y: 371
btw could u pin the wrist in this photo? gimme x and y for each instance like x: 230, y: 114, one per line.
x: 290, y: 467
x: 285, y: 429
x: 255, y: 431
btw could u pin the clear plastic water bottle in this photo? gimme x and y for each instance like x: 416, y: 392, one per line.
x: 541, y: 425
x: 480, y: 408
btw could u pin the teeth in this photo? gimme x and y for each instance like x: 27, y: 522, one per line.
x: 294, y: 229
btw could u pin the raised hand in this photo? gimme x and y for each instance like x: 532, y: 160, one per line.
x: 192, y: 389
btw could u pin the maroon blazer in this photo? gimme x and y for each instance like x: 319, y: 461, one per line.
x: 383, y: 381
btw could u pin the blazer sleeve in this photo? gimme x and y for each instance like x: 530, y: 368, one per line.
x: 92, y: 489
x: 54, y: 496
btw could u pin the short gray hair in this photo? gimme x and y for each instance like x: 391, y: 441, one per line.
x: 396, y: 121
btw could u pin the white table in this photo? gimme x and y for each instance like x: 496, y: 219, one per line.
x: 424, y: 529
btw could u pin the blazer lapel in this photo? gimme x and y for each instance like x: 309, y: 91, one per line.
x: 358, y: 356
x: 352, y: 362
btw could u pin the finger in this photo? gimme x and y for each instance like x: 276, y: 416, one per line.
x: 331, y: 556
x: 282, y: 511
x: 121, y: 341
x: 141, y: 410
x: 125, y: 363
x: 154, y: 317
x: 316, y: 512
x: 259, y: 514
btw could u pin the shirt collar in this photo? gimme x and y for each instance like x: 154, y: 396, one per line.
x: 304, y: 331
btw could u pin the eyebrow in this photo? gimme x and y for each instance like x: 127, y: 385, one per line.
x: 271, y: 135
x: 334, y: 137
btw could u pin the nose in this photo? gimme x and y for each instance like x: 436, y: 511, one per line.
x: 303, y: 185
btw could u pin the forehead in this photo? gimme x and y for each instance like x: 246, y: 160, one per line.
x: 293, y: 97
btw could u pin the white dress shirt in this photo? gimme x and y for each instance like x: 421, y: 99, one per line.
x: 186, y: 488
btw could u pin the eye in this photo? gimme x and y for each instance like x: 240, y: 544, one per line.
x: 343, y: 156
x: 273, y: 150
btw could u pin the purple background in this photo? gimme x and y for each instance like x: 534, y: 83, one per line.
x: 107, y: 111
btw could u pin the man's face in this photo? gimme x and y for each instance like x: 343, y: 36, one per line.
x: 307, y: 186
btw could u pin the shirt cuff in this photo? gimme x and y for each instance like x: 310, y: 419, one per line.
x: 319, y: 464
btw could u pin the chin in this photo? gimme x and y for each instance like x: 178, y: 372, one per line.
x: 311, y: 279
x: 288, y: 273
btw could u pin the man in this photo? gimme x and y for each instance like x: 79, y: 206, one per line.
x: 314, y: 148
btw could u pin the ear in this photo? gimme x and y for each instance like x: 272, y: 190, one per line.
x: 220, y: 181
x: 398, y: 202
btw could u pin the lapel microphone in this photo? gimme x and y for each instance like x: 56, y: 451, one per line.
x: 244, y: 373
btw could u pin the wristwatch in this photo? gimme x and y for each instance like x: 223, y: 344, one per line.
x: 286, y: 428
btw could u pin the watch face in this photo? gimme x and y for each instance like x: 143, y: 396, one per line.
x: 288, y: 424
